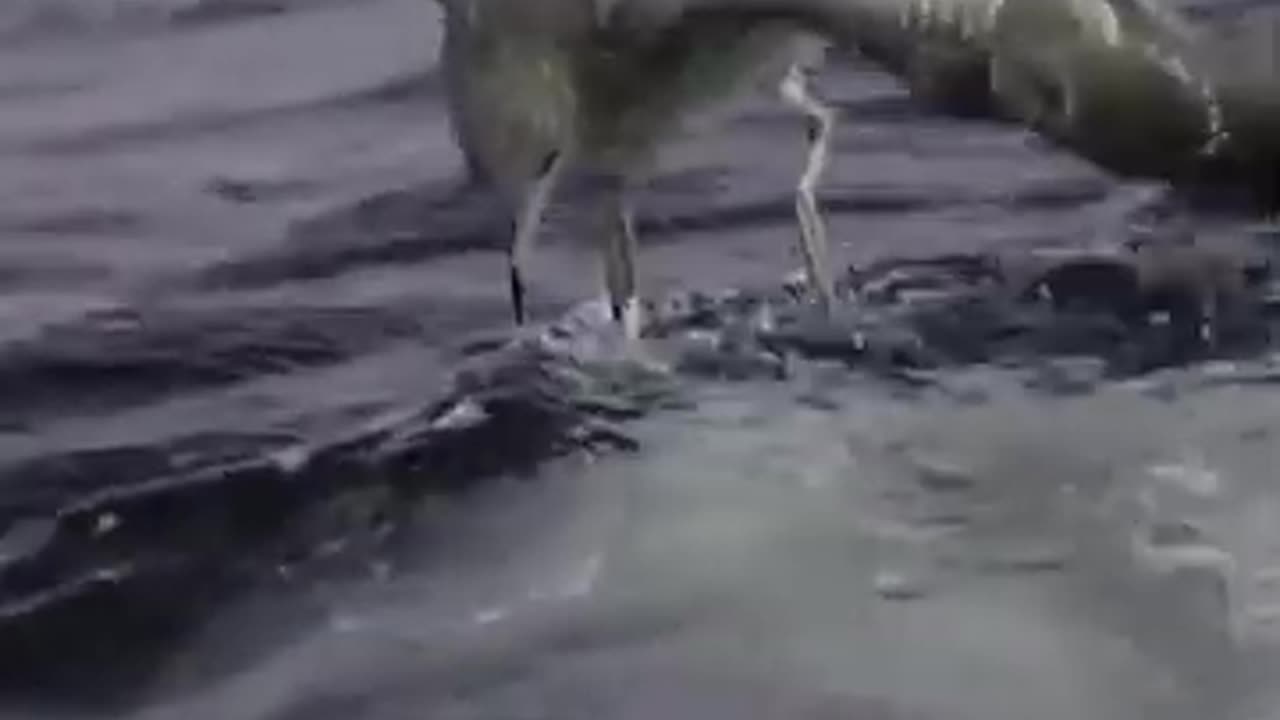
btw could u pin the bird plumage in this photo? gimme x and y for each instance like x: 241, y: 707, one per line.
x: 536, y: 86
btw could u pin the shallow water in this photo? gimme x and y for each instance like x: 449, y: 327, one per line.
x: 235, y: 248
x: 872, y: 557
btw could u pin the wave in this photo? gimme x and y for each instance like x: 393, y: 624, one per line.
x: 404, y: 88
x: 133, y: 356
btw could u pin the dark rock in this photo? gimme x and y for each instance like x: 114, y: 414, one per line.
x: 94, y: 638
x: 91, y: 603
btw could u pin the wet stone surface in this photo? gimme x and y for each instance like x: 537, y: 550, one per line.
x: 1134, y: 309
x: 131, y: 568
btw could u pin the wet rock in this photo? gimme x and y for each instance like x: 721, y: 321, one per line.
x: 1173, y: 299
x: 816, y: 337
x: 902, y: 279
x: 229, y: 511
x: 1111, y: 310
x: 1090, y: 284
x: 94, y: 590
x: 708, y: 357
x: 886, y: 347
x: 685, y: 312
x: 967, y: 330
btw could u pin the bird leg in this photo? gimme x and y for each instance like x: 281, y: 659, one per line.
x: 813, y: 234
x: 533, y: 207
x: 620, y: 261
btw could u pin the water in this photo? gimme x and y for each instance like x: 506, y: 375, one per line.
x: 239, y: 275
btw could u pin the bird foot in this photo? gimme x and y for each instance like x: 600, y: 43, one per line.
x: 800, y: 285
x: 593, y: 332
x: 629, y: 320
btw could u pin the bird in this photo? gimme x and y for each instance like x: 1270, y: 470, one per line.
x: 536, y: 88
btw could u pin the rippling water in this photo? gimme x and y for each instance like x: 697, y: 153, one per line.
x: 239, y: 276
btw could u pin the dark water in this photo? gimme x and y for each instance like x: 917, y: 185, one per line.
x: 240, y: 476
